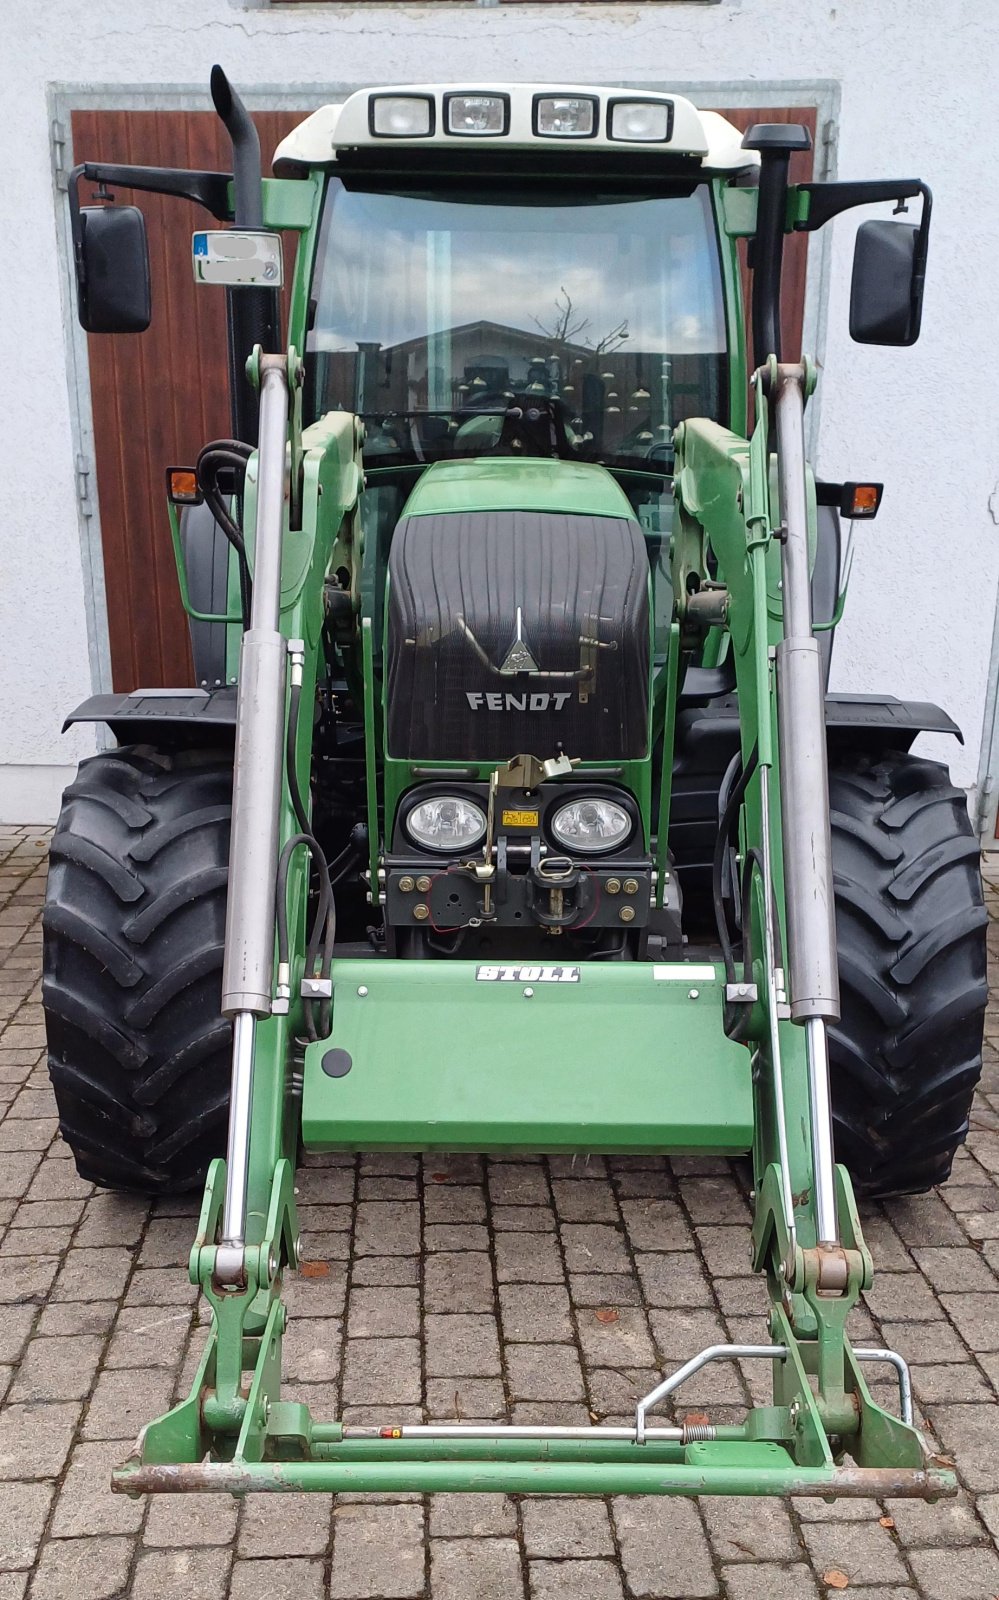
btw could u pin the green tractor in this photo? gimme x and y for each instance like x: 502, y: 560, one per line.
x: 513, y: 813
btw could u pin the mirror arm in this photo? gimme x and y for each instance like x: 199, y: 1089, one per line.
x: 826, y: 200
x: 919, y: 256
x: 207, y: 189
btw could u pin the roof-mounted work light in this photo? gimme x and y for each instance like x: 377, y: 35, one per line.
x: 402, y: 116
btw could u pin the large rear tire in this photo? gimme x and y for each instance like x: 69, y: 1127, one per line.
x: 907, y: 1052
x: 134, y: 924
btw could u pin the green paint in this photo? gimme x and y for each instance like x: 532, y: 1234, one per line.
x: 311, y: 195
x: 759, y: 1471
x: 370, y: 758
x: 509, y: 483
x: 185, y: 596
x: 738, y: 210
x: 290, y: 203
x: 666, y: 775
x: 735, y: 317
x: 622, y: 1059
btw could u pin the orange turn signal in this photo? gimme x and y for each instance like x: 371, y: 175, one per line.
x: 861, y: 499
x: 182, y: 486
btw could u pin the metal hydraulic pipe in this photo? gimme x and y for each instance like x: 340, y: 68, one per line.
x: 588, y: 1433
x: 823, y: 1154
x: 247, y: 974
x: 714, y: 1352
x: 893, y: 1359
x: 238, y: 1148
x: 248, y: 969
x: 812, y: 966
x: 776, y: 1059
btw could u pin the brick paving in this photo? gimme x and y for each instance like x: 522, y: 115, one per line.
x: 460, y: 1288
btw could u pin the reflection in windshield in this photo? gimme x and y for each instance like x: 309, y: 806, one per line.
x: 469, y: 322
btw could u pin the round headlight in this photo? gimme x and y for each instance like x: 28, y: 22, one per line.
x: 591, y: 825
x: 446, y: 822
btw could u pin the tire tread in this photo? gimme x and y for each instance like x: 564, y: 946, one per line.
x: 907, y: 1052
x: 133, y: 933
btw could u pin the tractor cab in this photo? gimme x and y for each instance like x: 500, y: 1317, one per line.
x: 521, y: 272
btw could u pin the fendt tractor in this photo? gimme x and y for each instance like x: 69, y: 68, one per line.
x: 510, y: 810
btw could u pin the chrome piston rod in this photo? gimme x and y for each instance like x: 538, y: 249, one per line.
x: 812, y: 969
x: 248, y: 969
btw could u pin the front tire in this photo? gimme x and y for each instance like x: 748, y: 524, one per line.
x: 907, y: 1052
x: 134, y: 926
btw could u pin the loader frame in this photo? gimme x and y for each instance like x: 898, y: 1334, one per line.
x: 234, y: 1433
x: 754, y: 1041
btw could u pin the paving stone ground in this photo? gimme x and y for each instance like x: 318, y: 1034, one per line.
x: 460, y: 1288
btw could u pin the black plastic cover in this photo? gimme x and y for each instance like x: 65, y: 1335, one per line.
x: 113, y: 294
x: 886, y: 289
x: 566, y: 596
x: 202, y: 714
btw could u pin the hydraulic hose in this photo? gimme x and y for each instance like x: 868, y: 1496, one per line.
x: 727, y: 823
x: 323, y: 934
x: 323, y: 927
x: 294, y: 790
x: 736, y: 1016
x: 231, y: 454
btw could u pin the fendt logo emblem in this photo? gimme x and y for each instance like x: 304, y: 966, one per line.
x: 527, y: 974
x: 539, y: 700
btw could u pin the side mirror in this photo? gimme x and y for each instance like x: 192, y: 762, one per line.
x: 886, y: 295
x: 112, y: 269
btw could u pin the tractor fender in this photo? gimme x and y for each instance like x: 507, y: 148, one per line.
x: 881, y: 719
x: 164, y: 716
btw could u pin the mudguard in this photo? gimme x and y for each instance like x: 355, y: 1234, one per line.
x: 163, y: 716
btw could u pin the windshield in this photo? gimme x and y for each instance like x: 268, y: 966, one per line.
x: 470, y: 322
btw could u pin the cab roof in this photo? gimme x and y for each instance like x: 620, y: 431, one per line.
x: 704, y: 138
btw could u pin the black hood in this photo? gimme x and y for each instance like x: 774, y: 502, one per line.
x: 517, y: 631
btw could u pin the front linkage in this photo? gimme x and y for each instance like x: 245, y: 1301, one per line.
x: 234, y: 1433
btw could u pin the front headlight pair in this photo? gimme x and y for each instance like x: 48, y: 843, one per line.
x: 590, y: 824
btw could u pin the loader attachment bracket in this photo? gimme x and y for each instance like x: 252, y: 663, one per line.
x: 248, y: 1315
x: 792, y: 1447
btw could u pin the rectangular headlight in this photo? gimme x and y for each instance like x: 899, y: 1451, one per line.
x: 477, y: 115
x: 401, y: 116
x: 640, y: 121
x: 565, y: 116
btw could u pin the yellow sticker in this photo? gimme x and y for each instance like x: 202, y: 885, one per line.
x: 520, y: 819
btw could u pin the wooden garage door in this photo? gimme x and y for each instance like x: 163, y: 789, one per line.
x: 159, y: 396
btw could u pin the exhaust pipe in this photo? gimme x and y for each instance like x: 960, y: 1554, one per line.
x: 253, y: 316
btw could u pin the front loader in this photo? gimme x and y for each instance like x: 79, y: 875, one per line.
x: 511, y: 812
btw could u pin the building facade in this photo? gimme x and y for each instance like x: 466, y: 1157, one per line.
x: 899, y: 88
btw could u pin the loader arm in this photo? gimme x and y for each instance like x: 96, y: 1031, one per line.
x: 234, y: 1433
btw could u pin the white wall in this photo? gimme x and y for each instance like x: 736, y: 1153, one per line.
x: 912, y: 84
